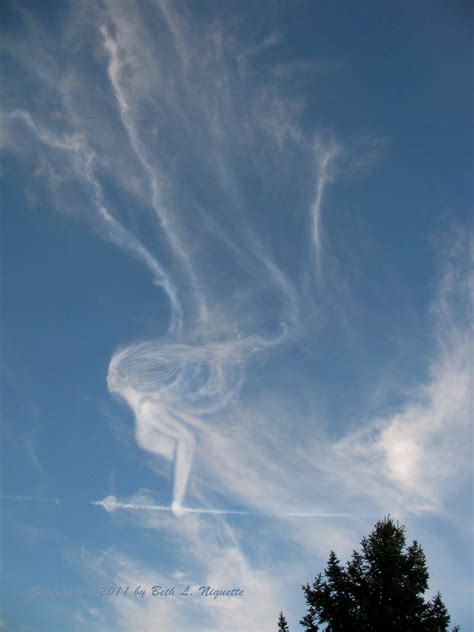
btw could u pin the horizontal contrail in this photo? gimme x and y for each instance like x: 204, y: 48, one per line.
x: 111, y: 504
x: 45, y: 499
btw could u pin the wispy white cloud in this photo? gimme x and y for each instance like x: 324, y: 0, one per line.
x: 414, y: 458
x: 325, y: 154
x: 80, y: 160
x: 288, y: 69
x: 211, y: 553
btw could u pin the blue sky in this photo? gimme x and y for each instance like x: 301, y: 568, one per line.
x: 235, y: 278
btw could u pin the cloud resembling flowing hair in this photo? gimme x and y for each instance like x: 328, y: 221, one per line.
x: 198, y: 368
x: 225, y: 306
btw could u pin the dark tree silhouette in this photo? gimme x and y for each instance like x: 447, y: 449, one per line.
x: 380, y: 589
x: 282, y: 624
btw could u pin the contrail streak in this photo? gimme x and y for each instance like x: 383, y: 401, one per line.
x: 111, y: 504
x: 44, y: 499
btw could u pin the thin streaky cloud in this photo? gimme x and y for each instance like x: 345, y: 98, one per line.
x: 41, y: 499
x: 111, y: 504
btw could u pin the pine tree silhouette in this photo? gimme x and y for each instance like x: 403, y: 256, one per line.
x: 380, y: 589
x: 282, y: 624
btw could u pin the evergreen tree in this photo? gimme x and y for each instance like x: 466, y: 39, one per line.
x: 282, y: 624
x: 380, y: 588
x: 437, y: 615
